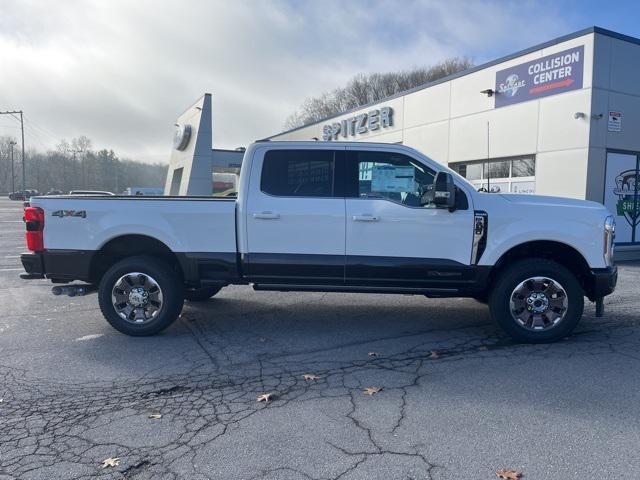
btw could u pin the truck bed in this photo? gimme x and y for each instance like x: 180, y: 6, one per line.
x: 183, y: 224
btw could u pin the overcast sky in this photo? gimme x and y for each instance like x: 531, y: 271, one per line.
x: 121, y: 71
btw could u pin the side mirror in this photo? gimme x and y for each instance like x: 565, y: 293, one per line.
x: 444, y: 191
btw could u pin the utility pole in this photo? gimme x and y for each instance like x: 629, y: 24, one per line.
x: 22, y: 131
x: 73, y: 152
x: 13, y: 174
x: 13, y: 113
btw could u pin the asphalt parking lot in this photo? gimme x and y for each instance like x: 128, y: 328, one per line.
x: 75, y: 392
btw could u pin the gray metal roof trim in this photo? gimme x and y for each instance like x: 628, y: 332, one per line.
x: 506, y: 58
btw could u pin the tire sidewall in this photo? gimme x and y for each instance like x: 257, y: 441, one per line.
x: 499, y: 300
x: 169, y: 282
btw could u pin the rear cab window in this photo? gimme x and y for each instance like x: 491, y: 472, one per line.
x: 302, y: 173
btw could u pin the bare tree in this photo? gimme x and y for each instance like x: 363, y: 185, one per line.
x: 368, y: 88
x: 62, y: 168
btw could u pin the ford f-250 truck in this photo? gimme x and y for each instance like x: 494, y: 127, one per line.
x: 320, y: 216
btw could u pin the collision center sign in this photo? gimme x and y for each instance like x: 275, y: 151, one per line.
x: 557, y: 73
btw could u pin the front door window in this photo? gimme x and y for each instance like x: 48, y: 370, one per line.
x: 394, y: 177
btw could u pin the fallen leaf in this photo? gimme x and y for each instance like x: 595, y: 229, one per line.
x: 310, y: 376
x: 508, y: 474
x: 155, y: 416
x: 265, y: 397
x: 483, y: 348
x: 434, y: 355
x: 372, y: 390
x: 373, y: 354
x: 111, y: 462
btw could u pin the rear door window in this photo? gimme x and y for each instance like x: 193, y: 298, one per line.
x: 300, y: 173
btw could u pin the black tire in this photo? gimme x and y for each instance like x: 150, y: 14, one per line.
x: 168, y: 281
x: 200, y: 294
x: 482, y: 298
x: 512, y: 276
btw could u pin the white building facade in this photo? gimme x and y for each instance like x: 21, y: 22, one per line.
x: 561, y: 118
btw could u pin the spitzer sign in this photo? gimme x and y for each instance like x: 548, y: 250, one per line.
x: 552, y: 74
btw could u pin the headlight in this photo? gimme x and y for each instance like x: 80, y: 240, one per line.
x: 609, y: 236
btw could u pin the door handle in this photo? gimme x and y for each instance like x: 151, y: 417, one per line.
x: 365, y: 218
x: 266, y: 215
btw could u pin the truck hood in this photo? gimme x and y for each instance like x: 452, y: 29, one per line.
x: 548, y: 201
x: 516, y: 219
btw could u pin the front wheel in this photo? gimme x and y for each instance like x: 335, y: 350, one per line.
x: 140, y: 296
x: 537, y: 301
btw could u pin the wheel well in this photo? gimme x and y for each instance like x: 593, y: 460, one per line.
x: 125, y: 246
x: 561, y: 253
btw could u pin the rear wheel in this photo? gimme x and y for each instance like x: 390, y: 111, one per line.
x: 200, y: 294
x: 537, y: 301
x: 140, y: 296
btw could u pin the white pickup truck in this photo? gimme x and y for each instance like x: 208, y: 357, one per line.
x: 320, y: 216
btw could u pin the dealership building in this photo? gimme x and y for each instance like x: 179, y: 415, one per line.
x: 561, y: 118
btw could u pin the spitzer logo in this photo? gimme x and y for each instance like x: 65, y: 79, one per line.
x: 511, y: 85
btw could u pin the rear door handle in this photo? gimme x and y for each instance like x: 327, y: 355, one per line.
x: 365, y: 218
x: 267, y: 215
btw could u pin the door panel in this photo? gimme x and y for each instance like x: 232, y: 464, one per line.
x: 393, y: 240
x: 407, y: 245
x: 296, y: 227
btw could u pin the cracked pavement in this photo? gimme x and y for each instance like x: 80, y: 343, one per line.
x: 75, y: 392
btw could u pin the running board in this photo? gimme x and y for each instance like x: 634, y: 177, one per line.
x: 429, y: 292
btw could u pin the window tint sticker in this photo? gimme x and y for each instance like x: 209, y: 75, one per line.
x: 390, y: 178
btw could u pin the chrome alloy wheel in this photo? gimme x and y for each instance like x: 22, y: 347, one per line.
x: 136, y: 297
x: 539, y: 303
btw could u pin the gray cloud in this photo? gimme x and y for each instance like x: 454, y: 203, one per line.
x: 120, y: 71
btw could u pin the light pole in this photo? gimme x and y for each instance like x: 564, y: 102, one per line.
x: 13, y: 174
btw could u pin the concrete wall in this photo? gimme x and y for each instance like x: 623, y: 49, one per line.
x: 616, y: 87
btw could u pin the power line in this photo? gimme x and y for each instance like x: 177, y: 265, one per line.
x: 35, y: 136
x: 42, y: 129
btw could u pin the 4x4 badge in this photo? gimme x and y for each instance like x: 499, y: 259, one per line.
x: 70, y: 213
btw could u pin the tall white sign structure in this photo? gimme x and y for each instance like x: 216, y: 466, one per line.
x: 190, y: 166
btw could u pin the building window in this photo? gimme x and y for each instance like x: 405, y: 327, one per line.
x: 523, y: 167
x: 298, y: 173
x: 515, y: 175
